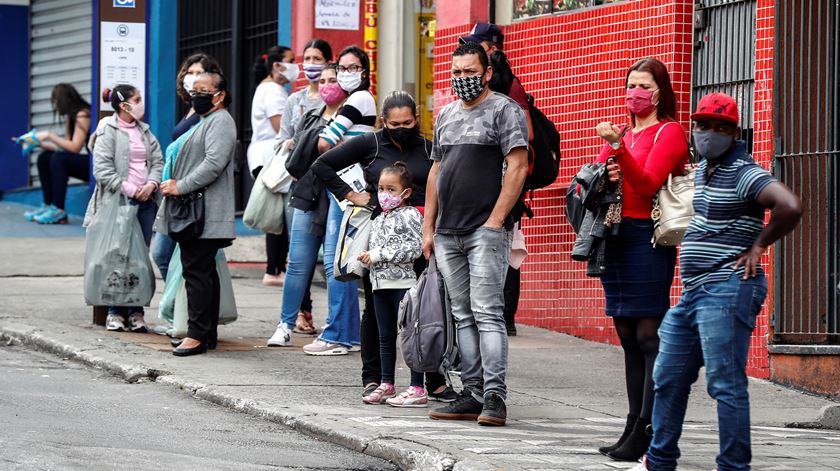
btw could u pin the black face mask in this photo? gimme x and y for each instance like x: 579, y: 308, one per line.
x: 203, y: 102
x: 403, y: 136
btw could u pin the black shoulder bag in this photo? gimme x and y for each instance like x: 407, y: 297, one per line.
x: 186, y: 216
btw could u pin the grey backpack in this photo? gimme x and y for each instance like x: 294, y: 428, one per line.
x: 427, y: 329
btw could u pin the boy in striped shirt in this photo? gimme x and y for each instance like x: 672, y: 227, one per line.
x: 724, y: 288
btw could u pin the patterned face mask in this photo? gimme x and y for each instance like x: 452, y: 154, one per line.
x: 467, y: 88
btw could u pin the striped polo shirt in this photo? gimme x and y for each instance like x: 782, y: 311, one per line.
x: 727, y: 218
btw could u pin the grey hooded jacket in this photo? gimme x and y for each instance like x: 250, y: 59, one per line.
x: 111, y: 152
x: 205, y: 161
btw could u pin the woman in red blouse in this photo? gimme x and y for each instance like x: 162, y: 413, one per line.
x: 638, y: 277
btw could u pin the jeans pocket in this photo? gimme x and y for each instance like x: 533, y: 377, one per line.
x: 749, y: 302
x: 492, y: 229
x: 721, y: 289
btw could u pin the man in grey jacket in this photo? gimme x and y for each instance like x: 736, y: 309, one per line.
x: 202, y: 164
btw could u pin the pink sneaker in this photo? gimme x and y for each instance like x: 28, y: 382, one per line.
x: 380, y: 394
x: 411, y: 397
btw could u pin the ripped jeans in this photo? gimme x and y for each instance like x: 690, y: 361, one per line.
x: 474, y: 267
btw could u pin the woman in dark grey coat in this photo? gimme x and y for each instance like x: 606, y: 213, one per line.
x: 202, y: 162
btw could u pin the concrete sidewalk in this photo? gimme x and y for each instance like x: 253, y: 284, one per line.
x: 566, y: 394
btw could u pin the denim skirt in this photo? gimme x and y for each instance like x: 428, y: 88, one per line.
x: 638, y: 277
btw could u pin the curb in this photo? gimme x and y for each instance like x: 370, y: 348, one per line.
x: 406, y: 455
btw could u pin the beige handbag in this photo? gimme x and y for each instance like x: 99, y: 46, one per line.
x: 673, y: 208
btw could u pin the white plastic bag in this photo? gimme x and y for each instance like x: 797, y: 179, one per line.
x: 178, y: 314
x: 274, y: 176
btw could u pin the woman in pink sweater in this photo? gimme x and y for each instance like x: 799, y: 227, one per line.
x: 127, y: 160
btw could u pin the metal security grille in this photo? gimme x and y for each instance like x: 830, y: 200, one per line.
x: 807, y: 96
x: 236, y: 35
x: 724, y: 54
x: 60, y: 52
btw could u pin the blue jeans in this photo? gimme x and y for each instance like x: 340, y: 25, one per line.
x: 710, y: 326
x: 474, y: 267
x: 303, y: 255
x: 343, y: 321
x: 162, y: 249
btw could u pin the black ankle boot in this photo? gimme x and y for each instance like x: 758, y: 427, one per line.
x: 635, y: 446
x: 631, y: 421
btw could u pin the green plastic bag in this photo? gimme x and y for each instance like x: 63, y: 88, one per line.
x: 265, y: 210
x: 118, y: 271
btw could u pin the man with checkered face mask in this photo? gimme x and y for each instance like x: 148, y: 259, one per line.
x: 480, y: 163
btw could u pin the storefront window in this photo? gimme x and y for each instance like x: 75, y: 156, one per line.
x: 530, y: 8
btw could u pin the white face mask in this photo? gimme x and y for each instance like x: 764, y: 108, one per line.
x: 349, y: 81
x: 189, y: 80
x: 137, y: 110
x: 292, y: 71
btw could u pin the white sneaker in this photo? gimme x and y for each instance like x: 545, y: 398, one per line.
x: 115, y: 323
x: 136, y: 323
x: 642, y: 466
x: 323, y: 348
x: 282, y: 337
x: 355, y: 348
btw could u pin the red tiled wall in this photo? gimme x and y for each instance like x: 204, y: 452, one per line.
x: 758, y: 363
x: 575, y: 64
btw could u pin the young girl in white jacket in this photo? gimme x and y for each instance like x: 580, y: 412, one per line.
x: 395, y: 242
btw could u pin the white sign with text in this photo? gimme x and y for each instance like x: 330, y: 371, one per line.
x: 122, y: 56
x: 337, y: 14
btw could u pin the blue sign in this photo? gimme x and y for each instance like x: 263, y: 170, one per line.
x: 125, y: 3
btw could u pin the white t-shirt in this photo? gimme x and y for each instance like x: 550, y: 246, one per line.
x: 269, y: 100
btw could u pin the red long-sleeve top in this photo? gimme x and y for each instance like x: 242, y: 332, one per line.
x: 646, y: 165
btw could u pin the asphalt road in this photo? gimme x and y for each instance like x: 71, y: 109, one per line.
x: 58, y: 415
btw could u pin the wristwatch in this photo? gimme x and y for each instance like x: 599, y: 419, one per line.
x: 616, y: 145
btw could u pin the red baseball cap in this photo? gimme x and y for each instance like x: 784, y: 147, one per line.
x: 717, y: 106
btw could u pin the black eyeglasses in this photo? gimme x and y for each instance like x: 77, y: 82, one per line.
x: 353, y: 68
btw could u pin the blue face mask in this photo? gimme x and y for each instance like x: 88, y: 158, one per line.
x: 711, y: 145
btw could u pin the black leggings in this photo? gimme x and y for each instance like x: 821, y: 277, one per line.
x: 640, y: 341
x: 387, y: 304
x: 55, y: 168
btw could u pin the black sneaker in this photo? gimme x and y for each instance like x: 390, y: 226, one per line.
x: 446, y: 395
x: 494, y: 412
x: 464, y: 407
x: 369, y: 389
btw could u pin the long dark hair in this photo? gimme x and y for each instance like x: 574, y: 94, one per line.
x: 320, y: 45
x: 264, y: 63
x: 208, y: 63
x: 667, y: 106
x: 67, y: 103
x: 502, y: 78
x: 365, y: 61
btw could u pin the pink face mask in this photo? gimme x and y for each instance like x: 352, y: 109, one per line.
x: 331, y: 93
x: 388, y: 201
x: 640, y: 101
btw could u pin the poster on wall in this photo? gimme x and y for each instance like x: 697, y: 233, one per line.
x: 337, y: 14
x: 122, y: 56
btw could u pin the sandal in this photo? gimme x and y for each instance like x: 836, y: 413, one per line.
x: 304, y: 326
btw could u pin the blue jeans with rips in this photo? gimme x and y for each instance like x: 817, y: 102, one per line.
x: 710, y: 326
x: 474, y: 267
x: 343, y: 320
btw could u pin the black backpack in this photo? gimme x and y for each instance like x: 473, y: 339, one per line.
x: 544, y: 152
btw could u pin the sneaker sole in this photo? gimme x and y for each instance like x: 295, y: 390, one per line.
x: 118, y: 329
x: 279, y: 345
x: 140, y: 330
x: 448, y: 416
x: 410, y: 406
x: 327, y: 353
x: 382, y: 401
x: 491, y: 421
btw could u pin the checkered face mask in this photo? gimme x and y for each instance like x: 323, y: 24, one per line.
x: 467, y: 88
